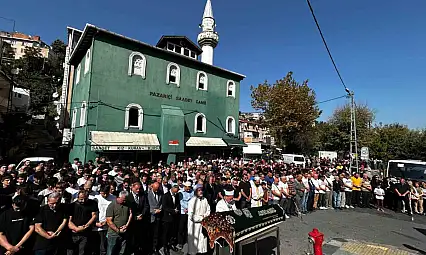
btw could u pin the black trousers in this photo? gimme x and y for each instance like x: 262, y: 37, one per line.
x: 99, y: 242
x: 321, y: 200
x: 366, y: 196
x: 356, y: 198
x: 183, y: 229
x: 348, y: 197
x: 169, y: 233
x: 406, y: 202
x: 244, y: 203
x: 79, y: 245
x: 311, y: 201
x: 155, y: 234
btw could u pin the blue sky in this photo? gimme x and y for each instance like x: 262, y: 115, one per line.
x: 379, y: 46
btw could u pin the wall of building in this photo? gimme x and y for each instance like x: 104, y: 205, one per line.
x: 20, y: 99
x: 112, y: 89
x: 80, y: 94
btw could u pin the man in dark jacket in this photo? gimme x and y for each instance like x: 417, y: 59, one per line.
x: 171, y: 210
x: 137, y: 201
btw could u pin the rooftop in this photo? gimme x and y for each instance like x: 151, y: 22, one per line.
x: 90, y: 31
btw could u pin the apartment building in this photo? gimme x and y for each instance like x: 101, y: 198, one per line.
x: 19, y: 41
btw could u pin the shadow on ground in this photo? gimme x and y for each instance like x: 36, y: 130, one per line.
x: 410, y: 247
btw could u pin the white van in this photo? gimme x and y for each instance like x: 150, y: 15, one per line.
x: 298, y: 160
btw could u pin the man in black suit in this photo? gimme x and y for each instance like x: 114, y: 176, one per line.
x: 137, y: 201
x: 171, y: 210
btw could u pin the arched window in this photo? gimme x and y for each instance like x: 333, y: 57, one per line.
x: 73, y: 118
x: 173, y: 74
x: 133, y: 117
x: 200, y: 123
x: 87, y: 62
x: 230, y: 125
x: 202, y: 80
x: 137, y: 64
x: 230, y: 92
x: 83, y: 111
x: 77, y: 74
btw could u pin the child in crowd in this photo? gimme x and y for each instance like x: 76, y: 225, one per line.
x: 380, y: 196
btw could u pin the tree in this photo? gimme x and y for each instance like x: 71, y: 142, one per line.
x: 396, y: 141
x: 290, y: 111
x: 341, y: 122
x: 41, y: 76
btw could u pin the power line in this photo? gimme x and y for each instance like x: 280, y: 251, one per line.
x: 331, y: 99
x: 326, y: 46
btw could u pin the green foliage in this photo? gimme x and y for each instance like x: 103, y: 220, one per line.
x: 41, y: 76
x: 396, y: 141
x: 385, y: 142
x: 290, y: 110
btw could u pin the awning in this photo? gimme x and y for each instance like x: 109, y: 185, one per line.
x: 252, y: 149
x: 233, y: 142
x: 123, y: 141
x: 205, y: 142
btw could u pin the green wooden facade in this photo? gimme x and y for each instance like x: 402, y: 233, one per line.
x: 168, y: 110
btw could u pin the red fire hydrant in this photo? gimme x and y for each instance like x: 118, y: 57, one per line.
x: 316, y: 238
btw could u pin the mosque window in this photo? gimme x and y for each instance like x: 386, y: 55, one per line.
x: 202, y: 80
x: 230, y: 89
x: 133, y: 117
x: 200, y: 123
x: 230, y: 125
x: 173, y: 74
x: 137, y: 64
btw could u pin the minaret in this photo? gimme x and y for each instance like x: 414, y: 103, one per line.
x: 208, y: 38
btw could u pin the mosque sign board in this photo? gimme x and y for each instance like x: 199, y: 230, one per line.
x: 125, y: 148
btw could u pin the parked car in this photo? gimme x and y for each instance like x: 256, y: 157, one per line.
x: 34, y: 161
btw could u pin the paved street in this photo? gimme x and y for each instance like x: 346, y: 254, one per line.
x: 379, y: 231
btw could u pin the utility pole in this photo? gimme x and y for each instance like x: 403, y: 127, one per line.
x: 353, y: 147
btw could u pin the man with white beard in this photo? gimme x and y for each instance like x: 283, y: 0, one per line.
x: 257, y: 193
x: 198, y: 209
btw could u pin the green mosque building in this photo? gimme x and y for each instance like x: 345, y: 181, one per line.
x: 131, y: 100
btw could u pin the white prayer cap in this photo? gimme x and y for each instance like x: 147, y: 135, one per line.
x: 229, y: 193
x: 257, y: 178
x: 187, y: 184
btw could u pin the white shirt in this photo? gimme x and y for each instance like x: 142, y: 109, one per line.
x: 305, y: 182
x: 102, y: 207
x: 276, y: 189
x: 379, y: 192
x: 322, y: 185
x: 348, y: 184
x: 81, y: 181
x: 284, y: 188
x: 173, y: 197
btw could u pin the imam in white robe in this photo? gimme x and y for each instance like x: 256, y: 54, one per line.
x: 257, y: 195
x: 198, y: 209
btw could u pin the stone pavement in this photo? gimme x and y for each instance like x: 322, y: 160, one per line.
x: 366, y: 226
x: 340, y: 246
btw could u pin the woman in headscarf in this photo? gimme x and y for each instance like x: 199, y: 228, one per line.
x: 198, y: 209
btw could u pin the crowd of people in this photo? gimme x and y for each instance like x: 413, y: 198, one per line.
x: 102, y: 208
